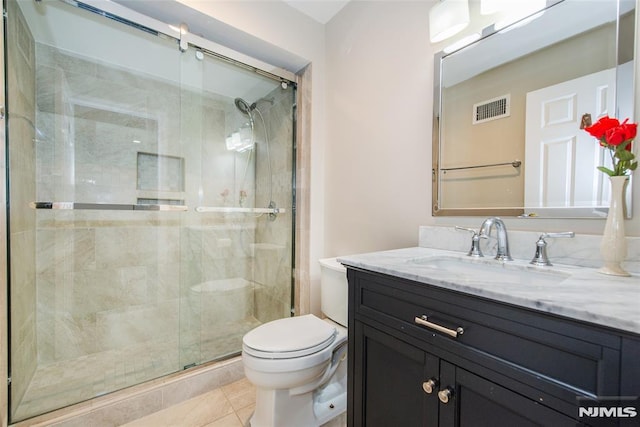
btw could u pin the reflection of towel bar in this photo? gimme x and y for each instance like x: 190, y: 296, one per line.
x: 515, y: 164
x: 105, y: 206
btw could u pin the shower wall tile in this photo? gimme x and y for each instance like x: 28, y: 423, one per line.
x: 120, y: 329
x: 83, y: 295
x: 164, y: 279
x: 23, y: 361
x: 130, y: 246
x: 303, y: 260
x: 21, y: 143
x: 53, y: 57
x: 65, y: 250
x: 267, y: 307
x: 23, y: 273
x: 66, y: 337
x: 272, y: 268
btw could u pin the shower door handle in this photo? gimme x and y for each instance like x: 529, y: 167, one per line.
x: 229, y: 209
x: 105, y: 206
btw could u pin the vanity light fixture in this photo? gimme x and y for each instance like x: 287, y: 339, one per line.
x: 448, y: 18
x: 462, y: 43
x: 489, y: 7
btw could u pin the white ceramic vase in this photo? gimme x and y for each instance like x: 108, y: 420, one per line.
x: 614, y: 245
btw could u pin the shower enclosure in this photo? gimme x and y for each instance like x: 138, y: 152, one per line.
x: 150, y: 203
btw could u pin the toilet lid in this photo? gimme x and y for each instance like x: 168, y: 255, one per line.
x: 290, y: 337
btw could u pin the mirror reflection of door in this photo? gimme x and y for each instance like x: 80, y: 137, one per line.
x: 560, y: 158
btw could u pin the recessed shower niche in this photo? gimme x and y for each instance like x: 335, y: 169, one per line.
x: 160, y: 173
x: 160, y: 176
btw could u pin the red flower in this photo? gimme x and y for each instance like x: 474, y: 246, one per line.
x: 616, y: 137
x: 599, y: 128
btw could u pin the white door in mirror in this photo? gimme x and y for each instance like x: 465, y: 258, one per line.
x: 560, y: 158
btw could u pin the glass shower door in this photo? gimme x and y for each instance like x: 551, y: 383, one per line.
x: 92, y: 143
x: 238, y: 136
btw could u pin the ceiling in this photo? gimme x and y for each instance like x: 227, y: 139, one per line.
x: 320, y: 10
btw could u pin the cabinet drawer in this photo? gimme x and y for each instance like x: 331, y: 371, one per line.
x: 562, y: 357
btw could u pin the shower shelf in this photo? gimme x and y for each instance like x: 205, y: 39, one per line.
x: 105, y: 206
x: 239, y: 210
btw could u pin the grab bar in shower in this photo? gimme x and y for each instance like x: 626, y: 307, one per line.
x: 515, y: 164
x: 106, y: 206
x: 240, y: 210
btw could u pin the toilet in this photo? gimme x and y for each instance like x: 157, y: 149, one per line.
x: 299, y: 364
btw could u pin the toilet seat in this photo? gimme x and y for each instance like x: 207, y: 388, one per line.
x: 289, y: 338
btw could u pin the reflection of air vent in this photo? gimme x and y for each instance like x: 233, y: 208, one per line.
x: 492, y: 109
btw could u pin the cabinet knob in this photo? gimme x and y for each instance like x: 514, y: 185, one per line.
x: 445, y: 394
x: 430, y: 385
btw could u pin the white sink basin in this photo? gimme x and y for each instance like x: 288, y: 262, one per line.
x: 487, y: 271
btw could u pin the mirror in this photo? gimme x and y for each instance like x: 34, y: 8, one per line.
x: 507, y: 112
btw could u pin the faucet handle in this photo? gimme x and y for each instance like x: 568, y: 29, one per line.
x: 540, y: 258
x: 475, y: 242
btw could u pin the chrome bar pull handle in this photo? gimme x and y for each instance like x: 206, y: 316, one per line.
x: 105, y: 206
x: 424, y: 321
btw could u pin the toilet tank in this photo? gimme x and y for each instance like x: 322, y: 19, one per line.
x: 333, y: 290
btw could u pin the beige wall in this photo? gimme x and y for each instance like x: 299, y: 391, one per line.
x: 377, y: 168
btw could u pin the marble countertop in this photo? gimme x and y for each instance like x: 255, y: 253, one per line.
x: 579, y: 293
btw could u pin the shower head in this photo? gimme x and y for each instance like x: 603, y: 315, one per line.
x: 244, y: 106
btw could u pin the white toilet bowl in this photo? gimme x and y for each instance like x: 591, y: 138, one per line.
x: 298, y: 366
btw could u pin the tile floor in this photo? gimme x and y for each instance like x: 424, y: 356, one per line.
x: 228, y: 406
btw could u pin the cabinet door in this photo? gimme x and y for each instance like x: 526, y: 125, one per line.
x: 477, y: 402
x: 388, y: 377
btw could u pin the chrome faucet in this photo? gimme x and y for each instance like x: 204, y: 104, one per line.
x: 502, y: 253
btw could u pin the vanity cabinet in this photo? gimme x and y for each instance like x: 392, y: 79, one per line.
x: 421, y: 355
